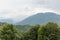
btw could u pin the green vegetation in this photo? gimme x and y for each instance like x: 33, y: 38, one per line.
x: 50, y: 31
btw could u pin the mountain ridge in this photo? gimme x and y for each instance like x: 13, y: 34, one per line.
x: 41, y: 18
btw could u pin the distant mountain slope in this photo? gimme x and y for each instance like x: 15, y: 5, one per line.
x: 6, y: 20
x: 41, y: 18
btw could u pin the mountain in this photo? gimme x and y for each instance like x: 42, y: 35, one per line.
x: 41, y: 18
x: 6, y: 20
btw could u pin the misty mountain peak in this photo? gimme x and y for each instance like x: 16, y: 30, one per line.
x: 41, y: 18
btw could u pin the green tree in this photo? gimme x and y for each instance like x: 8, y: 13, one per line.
x: 49, y: 32
x: 8, y: 32
x: 32, y: 34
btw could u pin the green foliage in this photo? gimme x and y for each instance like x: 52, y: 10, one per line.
x: 23, y: 28
x: 32, y: 34
x: 8, y: 32
x: 49, y: 32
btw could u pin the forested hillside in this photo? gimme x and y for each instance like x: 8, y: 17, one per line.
x: 49, y: 31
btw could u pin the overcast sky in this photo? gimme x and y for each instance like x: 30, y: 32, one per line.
x: 24, y: 8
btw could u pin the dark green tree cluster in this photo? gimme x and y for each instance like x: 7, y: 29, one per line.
x: 32, y: 34
x: 8, y: 32
x: 50, y: 31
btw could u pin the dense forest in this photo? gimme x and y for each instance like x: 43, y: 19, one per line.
x: 49, y: 31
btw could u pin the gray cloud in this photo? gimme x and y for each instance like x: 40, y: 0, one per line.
x: 15, y: 8
x: 50, y: 4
